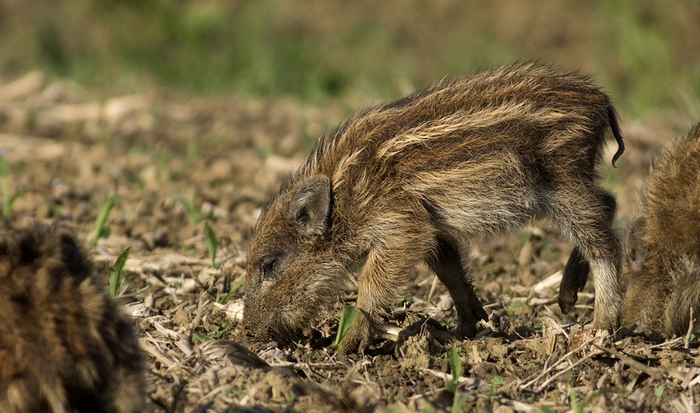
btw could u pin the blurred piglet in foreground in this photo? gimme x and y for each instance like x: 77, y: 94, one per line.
x: 661, y: 268
x: 64, y: 345
x: 419, y: 180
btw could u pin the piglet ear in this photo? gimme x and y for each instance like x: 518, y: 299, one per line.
x: 310, y: 205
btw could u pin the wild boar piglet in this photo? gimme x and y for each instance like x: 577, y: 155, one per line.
x: 64, y: 345
x: 661, y: 268
x: 418, y: 180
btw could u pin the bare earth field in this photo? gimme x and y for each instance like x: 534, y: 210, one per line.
x: 178, y: 161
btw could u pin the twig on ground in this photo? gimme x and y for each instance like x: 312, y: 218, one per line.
x: 474, y: 383
x: 683, y: 404
x: 571, y: 367
x: 665, y: 344
x: 652, y: 371
x: 548, y: 369
x: 690, y: 377
x: 153, y: 350
x: 198, y: 316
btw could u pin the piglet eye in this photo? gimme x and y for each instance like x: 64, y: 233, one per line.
x: 268, y: 266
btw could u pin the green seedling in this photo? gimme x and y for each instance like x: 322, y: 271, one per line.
x: 577, y: 407
x: 194, y: 149
x: 200, y: 337
x: 429, y: 408
x: 461, y: 398
x: 189, y: 250
x: 8, y: 199
x: 102, y: 230
x: 218, y: 330
x: 688, y: 338
x: 8, y: 202
x: 234, y: 289
x: 659, y: 391
x: 291, y: 398
x: 495, y: 382
x: 174, y: 284
x: 448, y: 321
x: 347, y: 318
x: 237, y: 391
x: 55, y: 212
x: 210, y: 239
x: 455, y: 368
x: 452, y: 383
x: 191, y: 207
x: 516, y: 304
x: 177, y: 395
x: 115, y: 272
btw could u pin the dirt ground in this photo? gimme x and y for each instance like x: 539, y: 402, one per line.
x: 178, y: 161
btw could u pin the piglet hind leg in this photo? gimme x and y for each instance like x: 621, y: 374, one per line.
x: 577, y: 267
x: 446, y: 262
x: 587, y: 215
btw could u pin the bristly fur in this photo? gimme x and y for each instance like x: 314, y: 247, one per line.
x: 64, y: 345
x: 462, y: 161
x: 661, y: 271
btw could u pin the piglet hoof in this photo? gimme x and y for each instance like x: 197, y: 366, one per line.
x: 428, y: 327
x: 466, y: 331
x: 357, y: 338
x: 574, y: 278
x: 567, y: 300
x: 606, y: 317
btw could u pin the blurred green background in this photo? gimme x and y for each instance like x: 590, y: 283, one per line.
x: 646, y: 54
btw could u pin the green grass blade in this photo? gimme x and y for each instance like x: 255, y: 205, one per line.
x: 234, y: 289
x: 455, y: 368
x: 189, y: 206
x: 210, y: 239
x: 427, y: 409
x: 101, y: 229
x: 9, y: 201
x: 593, y: 397
x: 573, y: 403
x: 223, y: 261
x: 115, y: 272
x: 55, y: 211
x: 459, y: 402
x: 5, y: 186
x: 347, y: 318
x: 201, y: 337
x: 659, y: 391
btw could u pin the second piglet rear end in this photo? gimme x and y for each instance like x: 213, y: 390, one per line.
x: 661, y: 269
